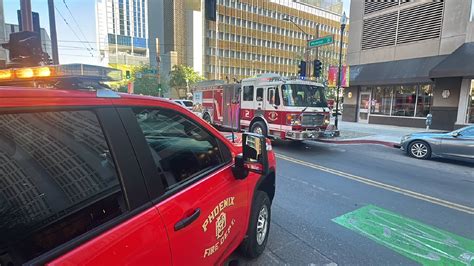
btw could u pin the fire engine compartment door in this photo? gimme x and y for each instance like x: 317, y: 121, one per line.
x: 231, y: 105
x: 270, y: 104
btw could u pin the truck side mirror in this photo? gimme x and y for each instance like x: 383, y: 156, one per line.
x: 254, y: 157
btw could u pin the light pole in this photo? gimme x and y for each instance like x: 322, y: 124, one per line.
x: 339, y: 81
x: 308, y: 37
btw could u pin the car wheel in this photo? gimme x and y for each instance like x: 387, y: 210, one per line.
x: 259, y: 128
x: 207, y: 118
x: 259, y: 227
x: 419, y: 149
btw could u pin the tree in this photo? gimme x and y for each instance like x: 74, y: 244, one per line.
x: 181, y: 76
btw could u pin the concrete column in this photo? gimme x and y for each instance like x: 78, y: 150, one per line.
x: 463, y: 101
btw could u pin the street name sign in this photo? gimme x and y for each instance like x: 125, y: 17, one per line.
x: 321, y: 41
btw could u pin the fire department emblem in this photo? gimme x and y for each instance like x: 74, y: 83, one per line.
x: 220, y: 225
x: 272, y: 116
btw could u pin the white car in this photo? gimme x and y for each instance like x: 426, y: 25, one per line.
x: 186, y: 103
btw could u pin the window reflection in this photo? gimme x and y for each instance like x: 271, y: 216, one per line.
x: 406, y: 100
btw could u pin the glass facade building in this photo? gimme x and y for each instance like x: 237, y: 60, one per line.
x: 122, y: 31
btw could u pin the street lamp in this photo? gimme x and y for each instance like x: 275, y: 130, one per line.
x: 339, y: 81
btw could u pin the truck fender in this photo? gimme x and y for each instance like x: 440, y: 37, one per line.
x: 259, y: 118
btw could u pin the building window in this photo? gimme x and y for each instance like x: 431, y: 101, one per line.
x: 424, y: 100
x: 381, y: 100
x: 410, y: 101
x: 404, y: 101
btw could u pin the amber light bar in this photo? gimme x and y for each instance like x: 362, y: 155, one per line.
x: 61, y: 71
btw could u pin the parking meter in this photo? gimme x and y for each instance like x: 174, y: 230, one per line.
x: 429, y: 121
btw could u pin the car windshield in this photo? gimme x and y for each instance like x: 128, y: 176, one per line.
x: 188, y: 103
x: 300, y: 95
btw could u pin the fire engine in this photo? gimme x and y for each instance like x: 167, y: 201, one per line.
x: 268, y: 104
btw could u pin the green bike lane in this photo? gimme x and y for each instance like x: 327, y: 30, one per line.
x: 352, y: 223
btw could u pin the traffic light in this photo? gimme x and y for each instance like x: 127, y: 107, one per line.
x: 302, y: 69
x: 127, y: 74
x: 317, y: 67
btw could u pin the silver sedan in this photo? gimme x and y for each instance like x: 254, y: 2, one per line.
x: 458, y: 144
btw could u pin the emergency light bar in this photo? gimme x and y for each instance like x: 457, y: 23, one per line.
x: 82, y: 71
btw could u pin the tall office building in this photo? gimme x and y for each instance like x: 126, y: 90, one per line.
x: 247, y: 38
x: 122, y: 31
x: 257, y: 36
x: 330, y: 5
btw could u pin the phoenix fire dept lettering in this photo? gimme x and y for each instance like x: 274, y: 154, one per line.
x: 222, y: 234
x: 217, y: 210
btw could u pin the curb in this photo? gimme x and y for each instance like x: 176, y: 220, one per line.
x: 361, y: 141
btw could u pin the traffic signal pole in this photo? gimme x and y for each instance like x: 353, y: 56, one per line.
x: 52, y: 29
x: 26, y: 16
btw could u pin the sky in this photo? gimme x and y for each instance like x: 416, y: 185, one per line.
x: 76, y: 42
x: 75, y: 28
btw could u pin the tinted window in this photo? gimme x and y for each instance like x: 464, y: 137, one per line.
x: 248, y: 93
x: 188, y: 103
x: 260, y: 94
x: 180, y: 148
x: 57, y: 181
x: 469, y: 132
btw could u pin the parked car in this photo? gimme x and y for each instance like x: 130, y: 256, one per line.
x: 188, y: 104
x: 458, y: 144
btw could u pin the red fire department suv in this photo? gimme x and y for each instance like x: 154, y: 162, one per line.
x: 89, y: 176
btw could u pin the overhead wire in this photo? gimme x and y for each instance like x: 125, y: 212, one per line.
x: 77, y: 24
x: 74, y: 32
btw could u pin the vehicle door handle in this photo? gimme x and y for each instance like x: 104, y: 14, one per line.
x: 188, y: 220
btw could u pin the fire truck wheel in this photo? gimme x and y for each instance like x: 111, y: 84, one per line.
x: 259, y: 226
x: 259, y: 128
x: 206, y: 118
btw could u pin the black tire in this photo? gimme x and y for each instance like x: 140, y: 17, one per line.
x: 206, y: 118
x: 257, y: 126
x: 254, y: 244
x: 419, y: 149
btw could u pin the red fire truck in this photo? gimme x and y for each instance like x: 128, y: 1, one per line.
x: 268, y: 104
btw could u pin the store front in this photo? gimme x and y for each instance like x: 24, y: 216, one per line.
x: 404, y: 92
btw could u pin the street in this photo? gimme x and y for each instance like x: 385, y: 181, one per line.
x: 422, y: 211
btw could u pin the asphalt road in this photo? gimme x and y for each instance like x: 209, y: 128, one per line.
x: 427, y: 208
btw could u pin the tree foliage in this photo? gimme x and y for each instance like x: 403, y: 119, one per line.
x: 143, y: 80
x: 181, y: 76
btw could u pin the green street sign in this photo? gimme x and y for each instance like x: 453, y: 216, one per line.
x: 321, y: 41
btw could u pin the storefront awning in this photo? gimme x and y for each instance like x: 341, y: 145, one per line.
x: 458, y: 64
x: 394, y: 72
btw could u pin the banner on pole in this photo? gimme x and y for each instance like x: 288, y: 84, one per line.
x: 333, y: 76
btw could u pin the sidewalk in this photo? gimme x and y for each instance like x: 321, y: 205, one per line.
x: 358, y: 133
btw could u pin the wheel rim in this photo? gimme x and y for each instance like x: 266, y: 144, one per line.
x: 262, y: 225
x: 419, y: 150
x: 258, y: 130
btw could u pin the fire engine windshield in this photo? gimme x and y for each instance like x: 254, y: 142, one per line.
x: 300, y: 95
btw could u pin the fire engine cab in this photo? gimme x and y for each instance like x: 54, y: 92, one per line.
x: 90, y: 176
x: 268, y: 104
